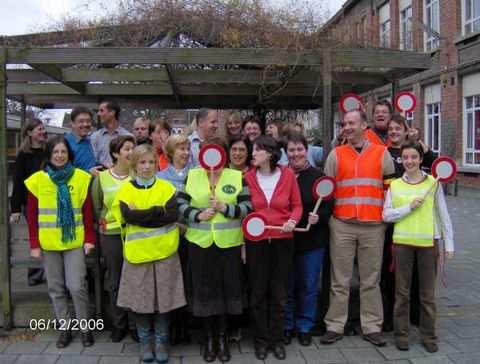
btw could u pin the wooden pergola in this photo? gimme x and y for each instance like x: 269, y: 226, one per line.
x: 187, y: 78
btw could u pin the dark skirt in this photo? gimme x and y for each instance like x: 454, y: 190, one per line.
x: 215, y: 280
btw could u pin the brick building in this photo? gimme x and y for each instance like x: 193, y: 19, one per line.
x: 448, y: 95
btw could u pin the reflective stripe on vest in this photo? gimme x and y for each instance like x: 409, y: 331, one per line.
x: 220, y: 230
x: 359, y: 201
x: 42, y: 187
x: 142, y: 244
x: 110, y: 186
x: 359, y: 193
x: 417, y: 228
x: 216, y: 226
x: 150, y: 234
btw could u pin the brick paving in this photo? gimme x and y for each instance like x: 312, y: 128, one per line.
x: 458, y: 324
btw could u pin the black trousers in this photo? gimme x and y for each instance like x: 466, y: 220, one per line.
x: 268, y: 266
x: 112, y: 252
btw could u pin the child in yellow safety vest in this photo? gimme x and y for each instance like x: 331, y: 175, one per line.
x: 104, y: 189
x: 416, y: 204
x: 151, y: 283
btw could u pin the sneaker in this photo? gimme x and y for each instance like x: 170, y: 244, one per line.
x: 401, y: 345
x: 330, y: 337
x: 431, y: 347
x: 375, y: 338
x: 146, y: 353
x: 161, y: 353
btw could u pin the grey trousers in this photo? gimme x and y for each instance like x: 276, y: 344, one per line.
x: 67, y: 270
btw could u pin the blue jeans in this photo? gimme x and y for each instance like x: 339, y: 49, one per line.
x: 301, y: 307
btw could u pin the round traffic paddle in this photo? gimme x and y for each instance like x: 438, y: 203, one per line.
x: 212, y: 157
x: 255, y: 227
x: 444, y: 169
x: 323, y: 189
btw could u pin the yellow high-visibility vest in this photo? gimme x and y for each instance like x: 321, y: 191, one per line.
x: 42, y: 187
x: 142, y: 244
x: 417, y: 228
x: 110, y: 186
x: 222, y: 231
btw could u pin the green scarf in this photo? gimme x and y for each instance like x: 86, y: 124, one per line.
x: 65, y: 215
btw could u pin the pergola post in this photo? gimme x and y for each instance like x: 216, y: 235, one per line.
x: 327, y: 130
x: 4, y: 227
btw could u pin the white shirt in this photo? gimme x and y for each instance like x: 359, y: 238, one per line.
x: 268, y: 183
x: 442, y: 223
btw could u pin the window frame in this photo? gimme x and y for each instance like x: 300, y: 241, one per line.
x: 466, y: 149
x: 431, y: 43
x: 429, y: 132
x: 473, y: 20
x: 406, y: 27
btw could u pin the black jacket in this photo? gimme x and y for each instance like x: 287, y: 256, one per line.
x: 318, y: 236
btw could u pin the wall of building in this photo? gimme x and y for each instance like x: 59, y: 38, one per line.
x: 456, y: 57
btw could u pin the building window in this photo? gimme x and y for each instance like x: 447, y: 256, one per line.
x: 432, y: 21
x: 471, y: 16
x: 433, y: 118
x: 406, y: 29
x: 384, y: 21
x: 472, y: 130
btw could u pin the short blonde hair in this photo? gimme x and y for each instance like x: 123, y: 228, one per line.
x: 173, y: 142
x: 139, y: 152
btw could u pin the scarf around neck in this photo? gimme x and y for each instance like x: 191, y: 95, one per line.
x: 297, y: 170
x: 65, y: 213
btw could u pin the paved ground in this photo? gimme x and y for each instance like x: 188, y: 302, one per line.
x: 458, y: 324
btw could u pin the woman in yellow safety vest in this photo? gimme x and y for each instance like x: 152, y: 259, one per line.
x: 213, y: 204
x: 416, y: 204
x: 60, y: 224
x: 151, y: 283
x: 104, y: 189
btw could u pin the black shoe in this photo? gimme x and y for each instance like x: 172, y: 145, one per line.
x: 287, y: 337
x: 279, y: 351
x: 134, y: 335
x: 209, y: 350
x: 261, y: 352
x: 431, y: 347
x: 330, y: 337
x: 375, y: 338
x: 118, y: 334
x: 401, y: 345
x: 87, y: 339
x: 64, y: 339
x: 304, y: 338
x: 223, y: 352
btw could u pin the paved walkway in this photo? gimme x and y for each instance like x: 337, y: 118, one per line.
x: 458, y: 324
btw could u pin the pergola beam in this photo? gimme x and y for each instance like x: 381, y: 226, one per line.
x: 351, y: 57
x: 55, y: 72
x: 133, y: 55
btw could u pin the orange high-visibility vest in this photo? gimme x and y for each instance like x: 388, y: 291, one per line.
x: 359, y: 193
x: 374, y: 138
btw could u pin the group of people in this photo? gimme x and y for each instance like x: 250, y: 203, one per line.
x: 170, y: 232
